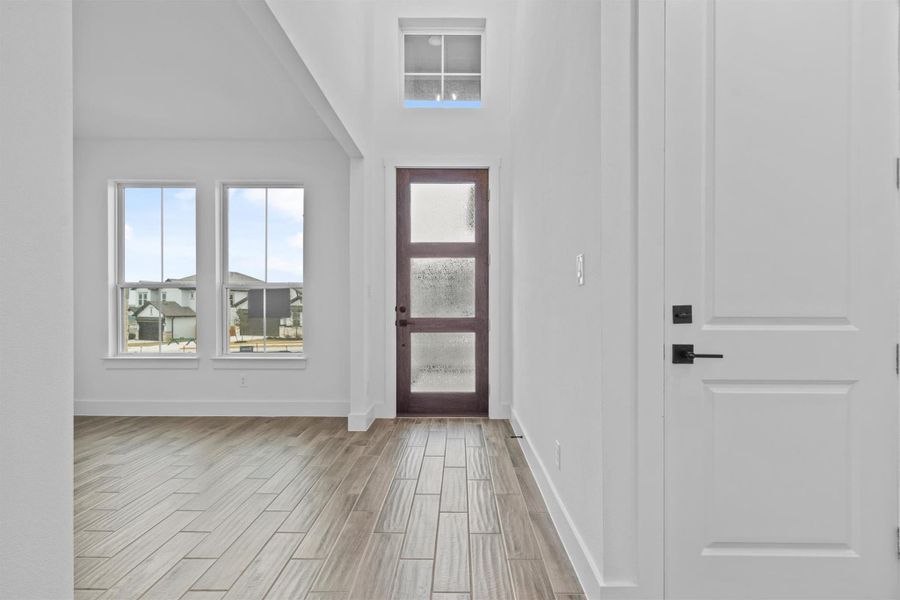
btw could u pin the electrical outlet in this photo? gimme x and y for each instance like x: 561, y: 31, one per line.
x: 579, y: 268
x: 243, y: 380
x: 558, y: 456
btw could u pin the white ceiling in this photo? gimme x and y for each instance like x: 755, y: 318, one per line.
x: 181, y: 69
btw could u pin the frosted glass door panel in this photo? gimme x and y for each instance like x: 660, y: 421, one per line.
x: 442, y: 362
x: 442, y: 287
x: 442, y: 212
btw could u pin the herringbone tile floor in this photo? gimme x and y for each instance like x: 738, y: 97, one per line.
x: 208, y: 508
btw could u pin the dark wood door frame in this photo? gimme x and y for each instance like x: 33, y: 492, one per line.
x: 449, y: 403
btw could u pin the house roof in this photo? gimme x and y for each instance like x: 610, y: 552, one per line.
x: 233, y: 277
x: 167, y: 309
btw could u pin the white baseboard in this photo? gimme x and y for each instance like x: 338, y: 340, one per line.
x: 361, y: 421
x: 585, y: 566
x: 211, y: 408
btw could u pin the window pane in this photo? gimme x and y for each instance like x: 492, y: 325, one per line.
x: 268, y: 320
x: 179, y: 319
x: 245, y: 331
x: 246, y: 234
x: 442, y: 212
x: 141, y: 235
x: 422, y: 53
x: 442, y: 287
x: 159, y: 320
x: 284, y: 320
x: 462, y: 89
x: 285, y: 259
x: 462, y: 54
x: 140, y: 327
x: 179, y: 234
x: 442, y: 362
x: 423, y: 88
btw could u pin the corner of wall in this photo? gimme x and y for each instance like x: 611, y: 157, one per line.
x: 589, y: 574
x: 361, y: 421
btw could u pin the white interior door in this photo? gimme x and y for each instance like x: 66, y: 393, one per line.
x: 781, y: 207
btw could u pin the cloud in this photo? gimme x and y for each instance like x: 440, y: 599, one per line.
x: 284, y: 202
x: 283, y: 269
x: 184, y: 194
x: 296, y: 240
x: 287, y: 202
x: 129, y: 232
x: 255, y: 195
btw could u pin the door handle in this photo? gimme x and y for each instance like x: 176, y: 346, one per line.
x: 683, y: 354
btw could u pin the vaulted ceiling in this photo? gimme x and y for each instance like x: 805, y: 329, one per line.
x: 193, y: 69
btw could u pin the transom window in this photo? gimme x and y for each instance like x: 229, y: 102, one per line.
x: 442, y: 69
x: 263, y: 269
x: 156, y: 269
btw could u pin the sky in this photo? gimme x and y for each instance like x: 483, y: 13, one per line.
x: 142, y: 233
x: 246, y: 232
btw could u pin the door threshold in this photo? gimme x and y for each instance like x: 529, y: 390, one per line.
x: 453, y: 415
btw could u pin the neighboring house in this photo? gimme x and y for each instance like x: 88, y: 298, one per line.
x: 177, y: 322
x: 145, y: 304
x: 183, y: 296
x: 287, y: 327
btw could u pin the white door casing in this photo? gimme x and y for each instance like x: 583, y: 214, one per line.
x: 781, y: 215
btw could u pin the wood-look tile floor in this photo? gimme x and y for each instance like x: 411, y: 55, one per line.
x: 281, y: 508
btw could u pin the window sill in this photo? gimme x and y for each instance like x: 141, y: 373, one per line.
x: 151, y: 362
x: 260, y: 362
x: 442, y: 104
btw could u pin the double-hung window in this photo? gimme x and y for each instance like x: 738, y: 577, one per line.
x: 156, y: 269
x: 262, y: 277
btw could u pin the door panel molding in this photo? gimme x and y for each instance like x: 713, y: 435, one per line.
x: 800, y: 91
x: 781, y: 230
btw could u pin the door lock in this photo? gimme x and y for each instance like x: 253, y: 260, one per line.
x: 683, y: 354
x: 682, y: 313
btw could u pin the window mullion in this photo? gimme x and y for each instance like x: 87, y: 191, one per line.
x: 162, y: 234
x: 443, y: 54
x: 266, y: 271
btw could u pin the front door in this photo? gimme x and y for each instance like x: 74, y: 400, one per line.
x: 781, y: 204
x: 442, y: 291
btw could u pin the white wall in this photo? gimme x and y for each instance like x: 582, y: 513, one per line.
x: 399, y: 133
x: 574, y: 359
x: 556, y: 323
x: 333, y: 39
x: 391, y: 132
x: 36, y: 259
x: 322, y: 388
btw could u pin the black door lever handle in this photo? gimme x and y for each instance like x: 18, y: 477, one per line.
x: 683, y: 354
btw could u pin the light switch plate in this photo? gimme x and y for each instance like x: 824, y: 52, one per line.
x: 579, y: 268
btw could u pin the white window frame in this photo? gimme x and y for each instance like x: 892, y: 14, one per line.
x: 443, y: 28
x: 118, y: 341
x: 224, y: 358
